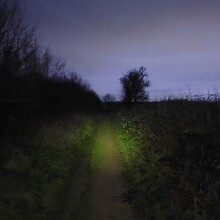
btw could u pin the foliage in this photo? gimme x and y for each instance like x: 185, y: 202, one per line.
x: 32, y: 81
x: 36, y: 172
x: 172, y: 174
x: 134, y: 84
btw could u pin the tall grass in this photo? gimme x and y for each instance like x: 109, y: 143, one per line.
x: 172, y: 155
x: 35, y: 174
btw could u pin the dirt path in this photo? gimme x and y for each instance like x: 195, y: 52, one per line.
x: 106, y: 190
x: 97, y: 188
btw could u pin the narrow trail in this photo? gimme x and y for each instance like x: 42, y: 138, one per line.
x: 97, y: 189
x: 106, y: 191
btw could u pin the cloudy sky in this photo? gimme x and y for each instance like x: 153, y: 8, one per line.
x: 177, y: 40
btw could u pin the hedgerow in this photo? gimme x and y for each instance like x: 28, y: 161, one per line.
x: 172, y: 160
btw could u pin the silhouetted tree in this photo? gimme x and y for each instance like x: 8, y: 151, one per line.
x: 134, y: 85
x: 109, y: 98
x: 32, y: 80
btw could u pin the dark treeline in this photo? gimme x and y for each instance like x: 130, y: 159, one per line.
x: 32, y: 81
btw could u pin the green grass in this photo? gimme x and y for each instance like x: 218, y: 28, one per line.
x: 96, y: 156
x: 37, y: 171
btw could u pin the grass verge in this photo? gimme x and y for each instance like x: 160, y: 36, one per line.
x: 38, y: 169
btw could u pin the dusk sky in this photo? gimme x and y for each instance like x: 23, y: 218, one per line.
x: 177, y: 40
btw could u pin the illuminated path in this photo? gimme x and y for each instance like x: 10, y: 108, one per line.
x: 106, y: 185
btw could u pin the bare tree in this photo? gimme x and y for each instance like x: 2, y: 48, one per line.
x: 134, y: 85
x: 30, y: 76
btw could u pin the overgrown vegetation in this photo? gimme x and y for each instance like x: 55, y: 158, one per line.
x: 32, y: 81
x: 38, y: 152
x: 35, y: 172
x: 172, y: 156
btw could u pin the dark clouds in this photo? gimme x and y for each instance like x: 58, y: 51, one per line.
x: 178, y: 41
